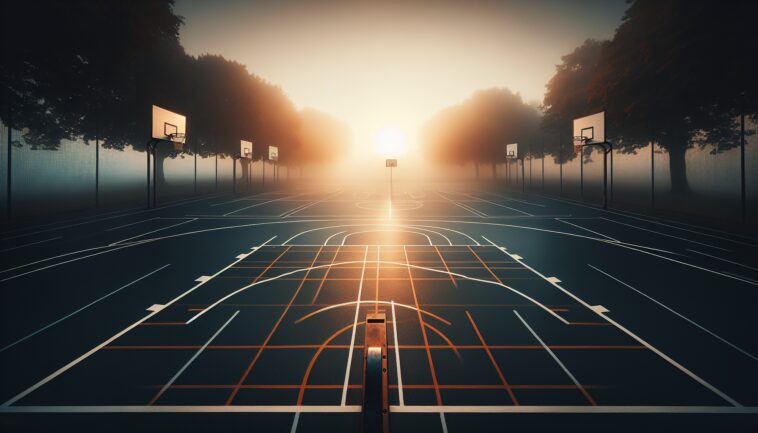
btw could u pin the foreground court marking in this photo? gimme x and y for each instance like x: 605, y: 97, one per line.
x: 116, y: 336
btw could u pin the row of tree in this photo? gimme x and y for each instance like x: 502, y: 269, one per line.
x: 92, y: 69
x: 675, y: 73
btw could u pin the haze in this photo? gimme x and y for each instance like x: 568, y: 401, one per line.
x: 389, y: 66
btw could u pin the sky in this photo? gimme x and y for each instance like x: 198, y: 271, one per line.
x: 387, y: 67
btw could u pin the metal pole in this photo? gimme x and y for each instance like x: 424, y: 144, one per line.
x: 581, y: 172
x: 560, y: 156
x: 652, y: 171
x: 195, y: 168
x: 234, y: 175
x: 147, y: 154
x: 97, y: 167
x: 530, y: 167
x: 8, y: 198
x: 523, y: 182
x: 215, y: 152
x: 263, y: 176
x: 742, y: 166
x: 155, y: 174
x: 605, y: 179
x: 543, y: 164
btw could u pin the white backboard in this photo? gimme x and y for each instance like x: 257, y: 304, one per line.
x: 167, y: 122
x: 273, y: 153
x: 511, y: 151
x: 592, y: 127
x: 390, y: 163
x: 246, y: 149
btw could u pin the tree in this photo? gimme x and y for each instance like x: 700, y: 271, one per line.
x: 323, y: 138
x: 478, y: 129
x: 669, y: 75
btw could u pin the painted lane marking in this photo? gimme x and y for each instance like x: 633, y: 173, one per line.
x: 355, y: 328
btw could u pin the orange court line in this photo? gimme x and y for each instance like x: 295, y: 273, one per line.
x: 268, y: 337
x: 326, y: 274
x: 492, y: 359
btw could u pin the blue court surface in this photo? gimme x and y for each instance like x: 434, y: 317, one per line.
x: 505, y: 312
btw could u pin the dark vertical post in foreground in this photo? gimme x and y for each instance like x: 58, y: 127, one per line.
x: 97, y: 167
x: 147, y: 183
x: 560, y: 156
x: 376, y: 415
x: 652, y: 168
x: 581, y: 173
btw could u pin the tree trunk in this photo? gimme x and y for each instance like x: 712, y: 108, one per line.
x: 160, y: 176
x: 678, y: 170
x: 476, y: 170
x: 494, y: 171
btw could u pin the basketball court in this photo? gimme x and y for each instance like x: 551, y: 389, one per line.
x: 495, y: 304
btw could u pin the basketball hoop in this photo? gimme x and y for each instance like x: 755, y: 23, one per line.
x: 178, y: 140
x: 579, y: 142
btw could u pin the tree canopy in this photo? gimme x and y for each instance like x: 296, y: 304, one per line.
x: 478, y: 129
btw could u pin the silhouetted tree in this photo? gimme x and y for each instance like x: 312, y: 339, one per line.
x: 478, y: 129
x: 672, y: 74
x: 323, y: 138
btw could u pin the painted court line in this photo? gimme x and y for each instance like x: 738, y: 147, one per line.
x: 116, y: 336
x: 131, y: 224
x: 723, y: 260
x: 639, y: 339
x: 498, y: 204
x: 261, y: 204
x: 180, y: 409
x: 586, y: 229
x: 664, y: 234
x: 30, y: 244
x: 192, y: 359
x: 556, y: 359
x: 83, y: 308
x: 681, y: 316
x: 151, y: 232
x: 397, y: 357
x: 355, y: 328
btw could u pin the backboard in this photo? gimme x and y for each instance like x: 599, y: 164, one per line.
x: 590, y: 128
x: 390, y: 163
x: 168, y: 125
x: 511, y: 151
x: 273, y: 153
x: 246, y: 149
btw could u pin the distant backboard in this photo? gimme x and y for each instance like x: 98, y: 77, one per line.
x: 511, y: 151
x: 246, y: 149
x: 591, y: 128
x: 273, y: 153
x: 168, y: 125
x: 390, y: 163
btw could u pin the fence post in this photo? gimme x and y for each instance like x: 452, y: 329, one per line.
x: 8, y: 197
x: 742, y: 166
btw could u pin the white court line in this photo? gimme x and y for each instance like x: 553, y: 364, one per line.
x: 727, y: 410
x: 442, y: 421
x: 247, y: 197
x: 344, y: 239
x: 552, y: 354
x: 293, y: 429
x: 151, y: 232
x: 397, y: 357
x: 192, y: 359
x: 30, y: 244
x: 355, y: 328
x: 681, y: 316
x: 83, y: 308
x: 181, y: 409
x: 652, y: 220
x: 586, y: 229
x: 517, y: 200
x: 439, y: 271
x: 174, y: 204
x: 262, y: 203
x: 131, y: 224
x: 724, y: 260
x: 450, y: 230
x: 307, y: 205
x: 577, y: 409
x: 680, y: 367
x: 116, y: 336
x: 345, y: 304
x: 326, y: 242
x: 498, y: 204
x: 467, y: 208
x: 664, y: 234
